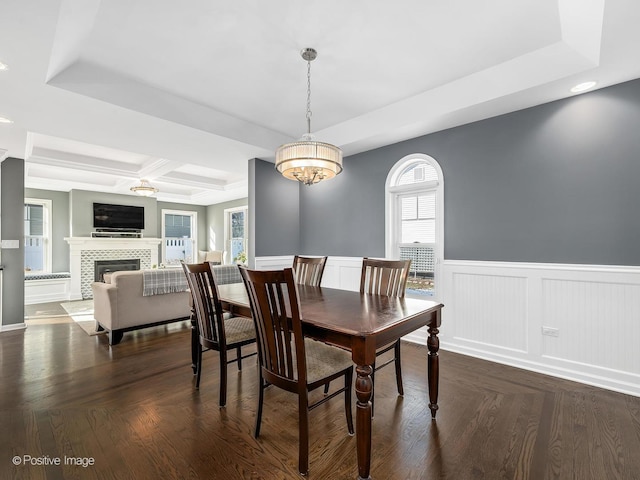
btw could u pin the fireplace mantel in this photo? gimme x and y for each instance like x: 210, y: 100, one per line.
x: 91, y: 243
x: 85, y: 250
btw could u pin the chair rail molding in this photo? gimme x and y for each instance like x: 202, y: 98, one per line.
x: 577, y: 322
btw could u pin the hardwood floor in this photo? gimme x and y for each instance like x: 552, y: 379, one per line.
x: 134, y: 410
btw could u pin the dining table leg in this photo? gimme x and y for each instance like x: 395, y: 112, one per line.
x: 433, y: 369
x: 364, y: 390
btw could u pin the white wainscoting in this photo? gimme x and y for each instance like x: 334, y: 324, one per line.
x: 47, y: 290
x: 339, y: 272
x: 497, y: 311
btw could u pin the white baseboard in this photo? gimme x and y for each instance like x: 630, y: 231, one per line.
x: 12, y: 327
x: 629, y: 386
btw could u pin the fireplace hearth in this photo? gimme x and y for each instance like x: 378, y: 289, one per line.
x: 109, y: 266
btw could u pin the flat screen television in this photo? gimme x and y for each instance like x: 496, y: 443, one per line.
x: 118, y: 217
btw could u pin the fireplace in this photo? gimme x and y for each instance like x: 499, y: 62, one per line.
x: 109, y: 266
x: 85, y: 251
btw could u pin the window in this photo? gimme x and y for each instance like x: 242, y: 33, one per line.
x: 37, y: 235
x: 236, y: 233
x: 414, y: 219
x: 179, y: 236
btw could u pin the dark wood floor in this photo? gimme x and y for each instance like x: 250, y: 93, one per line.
x: 133, y: 409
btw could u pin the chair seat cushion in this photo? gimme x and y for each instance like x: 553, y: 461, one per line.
x: 239, y: 329
x: 324, y: 360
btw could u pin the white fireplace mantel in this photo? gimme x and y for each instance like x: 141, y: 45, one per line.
x: 84, y: 249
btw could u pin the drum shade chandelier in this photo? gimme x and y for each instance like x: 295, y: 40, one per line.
x: 144, y: 189
x: 307, y: 160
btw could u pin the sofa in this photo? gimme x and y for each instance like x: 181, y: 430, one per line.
x: 215, y: 257
x: 128, y: 300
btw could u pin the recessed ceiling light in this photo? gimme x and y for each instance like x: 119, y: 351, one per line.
x: 4, y: 66
x: 5, y: 120
x: 581, y: 87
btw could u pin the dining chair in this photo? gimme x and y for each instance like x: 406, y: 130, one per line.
x: 385, y: 277
x: 288, y: 360
x: 309, y: 270
x: 216, y: 331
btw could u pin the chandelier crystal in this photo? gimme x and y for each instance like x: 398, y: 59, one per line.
x: 307, y: 160
x: 144, y: 189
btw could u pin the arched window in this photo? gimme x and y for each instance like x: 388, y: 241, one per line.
x: 414, y: 219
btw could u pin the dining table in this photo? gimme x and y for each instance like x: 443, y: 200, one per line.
x: 361, y: 323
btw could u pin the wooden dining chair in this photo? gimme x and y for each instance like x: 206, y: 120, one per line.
x: 288, y: 360
x: 386, y: 277
x: 216, y: 331
x: 309, y: 270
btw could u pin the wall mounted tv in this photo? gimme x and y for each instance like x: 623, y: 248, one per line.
x: 117, y: 217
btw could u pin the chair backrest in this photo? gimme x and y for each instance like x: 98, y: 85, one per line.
x: 276, y: 315
x: 384, y: 277
x: 309, y: 270
x: 206, y: 301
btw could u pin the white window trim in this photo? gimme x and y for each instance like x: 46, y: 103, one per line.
x: 392, y: 208
x: 227, y: 212
x: 194, y: 230
x: 48, y: 225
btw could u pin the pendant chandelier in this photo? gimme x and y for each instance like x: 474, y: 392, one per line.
x: 307, y: 160
x: 144, y: 189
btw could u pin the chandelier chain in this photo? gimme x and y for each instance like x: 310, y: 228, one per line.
x: 309, y: 96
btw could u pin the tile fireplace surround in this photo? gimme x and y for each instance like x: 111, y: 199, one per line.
x: 84, y: 251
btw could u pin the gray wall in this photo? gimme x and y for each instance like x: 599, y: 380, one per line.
x: 274, y: 212
x: 345, y: 215
x: 215, y: 222
x: 12, y: 228
x: 60, y: 225
x: 555, y: 183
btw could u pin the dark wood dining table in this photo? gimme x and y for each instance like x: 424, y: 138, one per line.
x: 361, y: 323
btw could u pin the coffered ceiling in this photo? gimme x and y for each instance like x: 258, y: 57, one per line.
x: 103, y: 93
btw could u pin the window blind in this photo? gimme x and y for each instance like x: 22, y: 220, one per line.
x: 418, y: 218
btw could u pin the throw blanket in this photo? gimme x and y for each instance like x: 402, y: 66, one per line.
x: 161, y: 281
x: 226, y: 274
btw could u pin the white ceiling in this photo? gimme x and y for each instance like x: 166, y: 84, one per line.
x: 104, y: 93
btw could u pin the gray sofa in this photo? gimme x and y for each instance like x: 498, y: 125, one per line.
x: 121, y: 303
